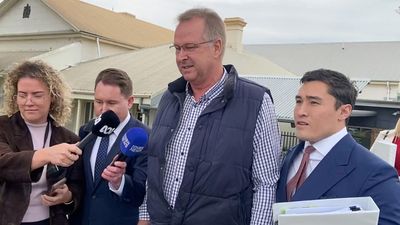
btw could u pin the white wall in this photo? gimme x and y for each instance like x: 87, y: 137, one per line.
x: 49, y: 43
x: 89, y: 49
x: 380, y: 92
x: 44, y: 43
x: 63, y: 57
x: 41, y: 19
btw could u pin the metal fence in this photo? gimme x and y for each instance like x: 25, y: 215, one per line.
x: 288, y: 140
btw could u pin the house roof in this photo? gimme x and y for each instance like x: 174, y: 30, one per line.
x: 122, y: 28
x: 8, y: 58
x: 151, y: 69
x: 376, y: 60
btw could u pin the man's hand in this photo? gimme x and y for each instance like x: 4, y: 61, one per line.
x: 143, y: 222
x: 114, y: 172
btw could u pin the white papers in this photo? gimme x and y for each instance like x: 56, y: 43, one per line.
x: 322, y: 209
x: 327, y: 212
x: 385, y: 150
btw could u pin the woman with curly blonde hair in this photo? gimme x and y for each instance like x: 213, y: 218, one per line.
x: 35, y: 150
x: 60, y: 106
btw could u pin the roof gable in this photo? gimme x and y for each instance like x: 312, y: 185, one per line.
x: 119, y: 27
x: 78, y: 16
x: 40, y: 19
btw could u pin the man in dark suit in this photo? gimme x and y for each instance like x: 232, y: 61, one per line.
x: 334, y: 164
x: 113, y: 191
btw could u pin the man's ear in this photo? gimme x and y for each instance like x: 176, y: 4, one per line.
x: 131, y: 100
x: 218, y: 48
x: 345, y: 111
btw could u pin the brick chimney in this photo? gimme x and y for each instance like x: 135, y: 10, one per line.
x: 234, y: 33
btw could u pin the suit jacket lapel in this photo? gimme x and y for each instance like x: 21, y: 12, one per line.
x: 87, y: 152
x: 333, y: 167
x: 288, y: 161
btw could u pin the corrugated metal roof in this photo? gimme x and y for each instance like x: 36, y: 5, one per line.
x: 284, y: 90
x: 119, y: 27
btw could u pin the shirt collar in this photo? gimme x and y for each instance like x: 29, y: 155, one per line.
x: 325, y: 145
x: 212, y: 91
x: 122, y: 124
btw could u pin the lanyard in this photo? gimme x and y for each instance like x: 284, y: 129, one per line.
x: 52, y: 170
x: 46, y: 134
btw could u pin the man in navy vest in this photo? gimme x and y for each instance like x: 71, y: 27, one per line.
x: 215, y: 144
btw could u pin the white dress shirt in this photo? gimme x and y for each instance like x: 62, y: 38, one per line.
x: 322, y: 148
x: 113, y: 136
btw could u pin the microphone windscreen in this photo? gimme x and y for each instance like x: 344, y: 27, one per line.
x: 133, y: 141
x: 105, y: 124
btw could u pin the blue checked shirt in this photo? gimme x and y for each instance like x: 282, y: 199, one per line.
x: 266, y: 153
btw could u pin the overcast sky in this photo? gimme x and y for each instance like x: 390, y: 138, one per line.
x: 282, y: 21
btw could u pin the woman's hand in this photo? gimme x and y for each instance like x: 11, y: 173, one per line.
x: 60, y: 195
x: 61, y: 155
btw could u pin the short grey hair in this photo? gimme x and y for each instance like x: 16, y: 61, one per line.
x: 214, y: 25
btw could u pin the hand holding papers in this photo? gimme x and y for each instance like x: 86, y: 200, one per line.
x: 343, y: 211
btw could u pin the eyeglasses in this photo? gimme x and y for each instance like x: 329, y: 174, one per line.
x: 188, y: 47
x: 34, y: 97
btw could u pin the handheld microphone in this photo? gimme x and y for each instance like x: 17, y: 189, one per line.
x: 132, y: 143
x: 103, y: 126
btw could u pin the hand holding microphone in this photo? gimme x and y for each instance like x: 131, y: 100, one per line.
x: 132, y: 143
x: 64, y: 155
x: 103, y: 126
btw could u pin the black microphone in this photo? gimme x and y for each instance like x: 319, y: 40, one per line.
x: 132, y: 143
x: 103, y: 126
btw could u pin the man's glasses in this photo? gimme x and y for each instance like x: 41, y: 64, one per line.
x: 188, y: 47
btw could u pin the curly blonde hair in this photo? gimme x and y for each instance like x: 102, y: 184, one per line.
x: 60, y: 92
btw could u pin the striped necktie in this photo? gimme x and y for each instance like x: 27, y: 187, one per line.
x: 301, y: 173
